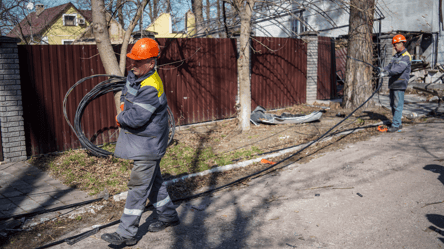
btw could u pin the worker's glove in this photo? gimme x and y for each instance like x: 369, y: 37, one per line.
x: 118, y: 124
x: 383, y: 72
x: 122, y: 106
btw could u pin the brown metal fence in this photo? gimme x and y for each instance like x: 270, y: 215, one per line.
x: 279, y: 72
x: 200, y: 78
x: 47, y: 72
x: 200, y: 81
x: 326, y: 68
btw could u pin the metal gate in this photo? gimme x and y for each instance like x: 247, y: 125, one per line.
x: 278, y: 72
x: 326, y: 68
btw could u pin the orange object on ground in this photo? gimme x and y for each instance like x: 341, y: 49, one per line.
x: 266, y: 161
x: 122, y: 106
x: 382, y: 129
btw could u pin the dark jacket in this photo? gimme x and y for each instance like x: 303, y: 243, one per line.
x: 399, y: 70
x: 144, y: 120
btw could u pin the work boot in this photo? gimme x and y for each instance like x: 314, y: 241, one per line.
x: 161, y: 225
x: 116, y: 239
x: 394, y: 129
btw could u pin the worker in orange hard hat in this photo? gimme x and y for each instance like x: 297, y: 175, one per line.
x: 143, y: 138
x: 399, y: 70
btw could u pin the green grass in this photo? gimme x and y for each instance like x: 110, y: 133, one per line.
x: 78, y: 169
x: 181, y: 159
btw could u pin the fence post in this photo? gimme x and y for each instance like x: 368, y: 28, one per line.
x: 11, y: 109
x: 311, y: 38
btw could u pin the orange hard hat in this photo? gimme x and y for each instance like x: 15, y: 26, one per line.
x: 143, y: 49
x: 398, y: 38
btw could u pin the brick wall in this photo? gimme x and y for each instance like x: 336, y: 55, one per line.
x: 312, y: 65
x: 11, y: 109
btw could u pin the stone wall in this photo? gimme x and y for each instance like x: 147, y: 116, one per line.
x: 11, y: 109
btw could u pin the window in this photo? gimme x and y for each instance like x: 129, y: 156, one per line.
x: 298, y: 24
x: 67, y: 42
x: 70, y: 20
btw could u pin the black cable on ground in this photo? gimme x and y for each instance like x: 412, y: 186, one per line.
x: 18, y: 216
x: 76, y: 238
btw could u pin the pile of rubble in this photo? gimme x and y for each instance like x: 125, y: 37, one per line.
x: 422, y: 73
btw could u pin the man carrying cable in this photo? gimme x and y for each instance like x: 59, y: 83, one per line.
x: 399, y: 70
x: 143, y: 138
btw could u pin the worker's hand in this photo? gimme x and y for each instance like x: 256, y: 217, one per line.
x: 382, y: 72
x: 118, y: 124
x: 122, y: 106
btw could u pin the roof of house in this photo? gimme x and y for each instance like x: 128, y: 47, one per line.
x: 45, y: 19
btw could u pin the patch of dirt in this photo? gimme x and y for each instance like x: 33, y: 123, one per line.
x: 223, y: 137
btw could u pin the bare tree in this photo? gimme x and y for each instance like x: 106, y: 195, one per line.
x: 358, y: 79
x: 100, y: 30
x: 197, y: 10
x: 11, y: 13
x: 245, y: 9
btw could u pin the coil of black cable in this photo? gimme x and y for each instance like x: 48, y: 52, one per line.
x: 114, y: 83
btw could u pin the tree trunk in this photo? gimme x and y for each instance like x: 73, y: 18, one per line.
x: 119, y: 7
x: 207, y: 13
x: 358, y: 79
x: 197, y: 10
x: 168, y: 6
x: 219, y: 17
x: 127, y: 35
x: 243, y: 65
x: 106, y: 52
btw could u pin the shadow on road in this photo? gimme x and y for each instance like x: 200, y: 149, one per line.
x: 437, y: 220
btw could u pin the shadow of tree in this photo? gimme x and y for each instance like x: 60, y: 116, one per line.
x: 437, y: 220
x: 26, y: 189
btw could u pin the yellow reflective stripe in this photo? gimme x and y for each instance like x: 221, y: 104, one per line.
x: 154, y: 81
x: 408, y: 54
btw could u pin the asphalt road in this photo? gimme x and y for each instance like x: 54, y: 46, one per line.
x: 386, y: 192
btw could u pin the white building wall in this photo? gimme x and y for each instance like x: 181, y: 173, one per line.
x: 274, y: 27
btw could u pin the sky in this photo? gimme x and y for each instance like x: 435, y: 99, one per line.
x: 179, y: 8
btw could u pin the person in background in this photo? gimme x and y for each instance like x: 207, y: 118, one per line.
x: 398, y: 70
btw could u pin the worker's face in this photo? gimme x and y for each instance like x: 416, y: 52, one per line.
x: 141, y: 67
x: 398, y: 47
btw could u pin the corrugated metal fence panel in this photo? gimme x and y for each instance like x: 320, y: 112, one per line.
x: 200, y: 78
x: 326, y: 69
x: 47, y: 72
x: 279, y: 72
x: 341, y: 60
x: 200, y: 82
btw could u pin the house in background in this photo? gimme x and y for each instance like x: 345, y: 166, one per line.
x: 163, y: 26
x: 420, y: 21
x: 61, y: 25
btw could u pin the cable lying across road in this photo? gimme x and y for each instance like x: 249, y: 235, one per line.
x: 76, y: 238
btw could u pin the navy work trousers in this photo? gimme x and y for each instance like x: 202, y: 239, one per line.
x: 145, y: 183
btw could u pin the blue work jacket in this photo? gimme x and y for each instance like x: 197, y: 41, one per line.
x: 399, y: 70
x: 144, y: 119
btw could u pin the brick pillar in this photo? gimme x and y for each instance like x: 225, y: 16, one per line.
x: 312, y: 65
x: 11, y: 109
